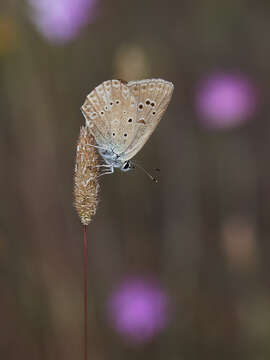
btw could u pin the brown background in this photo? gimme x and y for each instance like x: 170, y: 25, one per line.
x: 203, y: 231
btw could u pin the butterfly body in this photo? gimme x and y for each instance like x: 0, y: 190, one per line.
x: 122, y: 116
x: 114, y: 160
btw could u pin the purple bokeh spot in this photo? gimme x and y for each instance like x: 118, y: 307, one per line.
x: 138, y: 309
x: 61, y: 20
x: 225, y: 100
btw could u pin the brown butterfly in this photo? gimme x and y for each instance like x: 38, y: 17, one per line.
x: 122, y: 116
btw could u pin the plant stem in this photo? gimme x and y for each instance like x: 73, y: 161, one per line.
x: 85, y: 291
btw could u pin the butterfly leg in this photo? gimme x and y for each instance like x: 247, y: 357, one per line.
x: 110, y: 171
x: 96, y: 146
x: 103, y: 165
x: 106, y: 166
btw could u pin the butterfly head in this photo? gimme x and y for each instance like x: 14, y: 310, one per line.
x: 126, y: 166
x: 113, y: 159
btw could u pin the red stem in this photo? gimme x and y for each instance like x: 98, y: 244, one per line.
x: 85, y: 291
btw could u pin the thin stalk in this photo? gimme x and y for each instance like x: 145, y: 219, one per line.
x: 85, y: 291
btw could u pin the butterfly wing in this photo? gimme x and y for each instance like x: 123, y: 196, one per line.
x: 110, y: 112
x: 152, y: 98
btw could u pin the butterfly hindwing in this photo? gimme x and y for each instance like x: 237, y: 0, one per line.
x: 108, y: 110
x: 123, y: 115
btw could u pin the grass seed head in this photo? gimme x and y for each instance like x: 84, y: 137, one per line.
x: 86, y: 184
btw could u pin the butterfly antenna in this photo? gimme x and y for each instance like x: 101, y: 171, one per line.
x: 153, y: 178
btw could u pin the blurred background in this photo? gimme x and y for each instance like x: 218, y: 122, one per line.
x: 178, y: 270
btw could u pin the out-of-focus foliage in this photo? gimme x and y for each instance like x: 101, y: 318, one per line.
x: 202, y: 232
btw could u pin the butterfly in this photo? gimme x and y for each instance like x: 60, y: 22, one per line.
x: 122, y: 116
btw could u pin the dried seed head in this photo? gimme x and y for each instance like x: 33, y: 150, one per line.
x: 85, y: 180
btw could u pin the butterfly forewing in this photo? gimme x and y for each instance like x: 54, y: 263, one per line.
x: 152, y: 98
